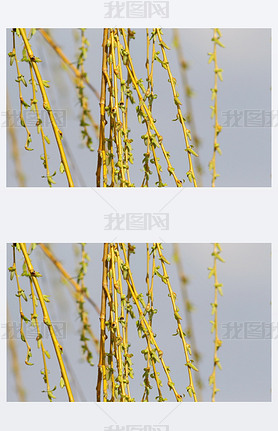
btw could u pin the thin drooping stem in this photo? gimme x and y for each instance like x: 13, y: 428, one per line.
x: 144, y: 323
x: 57, y: 132
x: 188, y: 306
x: 21, y: 295
x: 186, y: 131
x: 15, y: 363
x: 214, y: 312
x: 34, y: 320
x: 214, y: 97
x: 34, y: 105
x: 46, y: 319
x: 83, y: 99
x: 149, y: 309
x: 188, y: 93
x: 101, y: 365
x: 21, y: 80
x: 186, y: 346
x: 145, y: 110
x: 212, y: 166
x: 102, y: 103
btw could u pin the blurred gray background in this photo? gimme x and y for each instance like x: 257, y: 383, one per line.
x: 245, y: 93
x: 245, y: 305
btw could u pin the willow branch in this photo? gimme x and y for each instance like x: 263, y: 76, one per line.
x: 46, y: 319
x: 47, y: 107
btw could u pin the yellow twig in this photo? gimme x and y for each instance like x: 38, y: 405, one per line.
x: 47, y: 107
x: 47, y: 321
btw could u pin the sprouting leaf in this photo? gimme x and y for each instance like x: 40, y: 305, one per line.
x: 50, y: 179
x: 211, y: 379
x: 162, y: 43
x: 22, y: 79
x: 46, y: 321
x: 50, y: 394
x: 12, y: 57
x: 219, y: 73
x: 188, y: 134
x: 62, y: 168
x: 191, y: 151
x: 189, y: 176
x: 214, y: 307
x: 22, y: 293
x: 28, y: 141
x: 219, y: 257
x: 45, y: 83
x: 33, y: 31
x: 217, y: 362
x: 163, y: 259
x: 177, y: 316
x: 211, y: 165
x: 212, y: 326
x: 190, y: 365
x: 171, y: 385
x: 219, y: 287
x: 12, y: 270
x: 211, y: 273
x: 29, y: 355
x: 24, y: 104
x: 212, y: 57
x: 212, y: 111
x: 177, y: 101
x: 26, y: 320
x: 46, y: 106
x: 217, y: 41
x: 47, y: 354
x: 190, y: 391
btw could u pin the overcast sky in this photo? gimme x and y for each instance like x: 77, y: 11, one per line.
x: 245, y: 92
x: 246, y: 305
